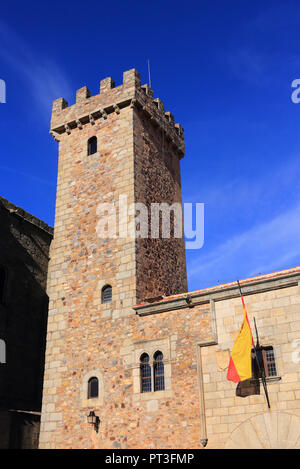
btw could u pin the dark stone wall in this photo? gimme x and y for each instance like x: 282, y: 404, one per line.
x: 24, y: 251
x: 19, y: 430
x: 157, y: 180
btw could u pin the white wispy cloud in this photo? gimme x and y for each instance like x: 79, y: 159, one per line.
x: 261, y: 249
x: 251, y: 62
x: 28, y: 176
x: 276, y: 187
x: 248, y: 64
x: 259, y: 220
x: 45, y: 79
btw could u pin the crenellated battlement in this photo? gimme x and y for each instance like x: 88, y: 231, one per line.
x: 112, y: 99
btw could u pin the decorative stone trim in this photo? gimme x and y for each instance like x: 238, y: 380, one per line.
x: 132, y: 103
x: 111, y: 99
x: 116, y: 108
x: 277, y: 430
x: 90, y: 117
x: 191, y: 299
x: 79, y: 124
x: 54, y: 135
x: 103, y: 113
x: 199, y: 345
x: 67, y: 129
x: 166, y: 346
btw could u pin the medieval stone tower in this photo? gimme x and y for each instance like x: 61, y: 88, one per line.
x: 132, y: 359
x: 119, y: 143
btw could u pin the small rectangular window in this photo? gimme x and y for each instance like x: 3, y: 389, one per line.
x: 269, y: 361
x: 266, y: 360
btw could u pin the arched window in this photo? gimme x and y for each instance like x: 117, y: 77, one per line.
x: 106, y: 294
x: 92, y: 145
x: 158, y: 371
x: 93, y: 387
x: 2, y: 283
x: 145, y: 373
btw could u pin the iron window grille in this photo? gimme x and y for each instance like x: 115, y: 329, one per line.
x: 265, y: 368
x: 267, y: 363
x: 145, y: 373
x: 107, y: 294
x: 158, y: 368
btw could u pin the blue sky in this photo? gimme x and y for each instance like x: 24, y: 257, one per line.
x: 223, y: 68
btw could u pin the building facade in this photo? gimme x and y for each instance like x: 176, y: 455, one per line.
x: 24, y: 251
x: 126, y: 343
x: 224, y: 418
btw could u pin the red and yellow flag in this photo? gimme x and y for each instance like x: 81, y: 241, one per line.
x: 240, y: 366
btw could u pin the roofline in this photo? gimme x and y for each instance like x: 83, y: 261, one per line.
x: 15, y: 210
x: 273, y: 281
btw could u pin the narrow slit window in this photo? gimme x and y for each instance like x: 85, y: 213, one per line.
x: 106, y: 294
x: 145, y: 373
x: 92, y: 145
x: 159, y: 375
x: 93, y: 388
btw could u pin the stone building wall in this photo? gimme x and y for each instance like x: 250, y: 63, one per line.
x: 24, y: 255
x: 195, y: 332
x: 235, y: 422
x: 157, y: 180
x: 84, y: 335
x: 139, y: 148
x: 81, y: 264
x: 129, y: 418
x: 226, y: 420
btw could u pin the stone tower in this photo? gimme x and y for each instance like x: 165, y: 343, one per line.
x: 136, y: 156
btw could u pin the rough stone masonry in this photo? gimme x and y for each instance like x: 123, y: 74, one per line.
x: 138, y: 155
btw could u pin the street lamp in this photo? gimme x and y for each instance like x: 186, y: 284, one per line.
x: 93, y: 419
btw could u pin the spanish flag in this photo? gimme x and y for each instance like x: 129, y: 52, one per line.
x: 240, y: 366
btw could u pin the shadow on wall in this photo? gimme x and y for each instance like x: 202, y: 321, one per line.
x: 24, y: 249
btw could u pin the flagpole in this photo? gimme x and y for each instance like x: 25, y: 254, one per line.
x: 257, y: 339
x: 261, y: 372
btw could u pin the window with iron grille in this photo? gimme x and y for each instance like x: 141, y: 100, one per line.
x: 92, y: 145
x: 145, y: 373
x: 269, y: 361
x: 93, y: 387
x: 266, y: 359
x: 106, y: 294
x: 2, y: 283
x: 158, y: 369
